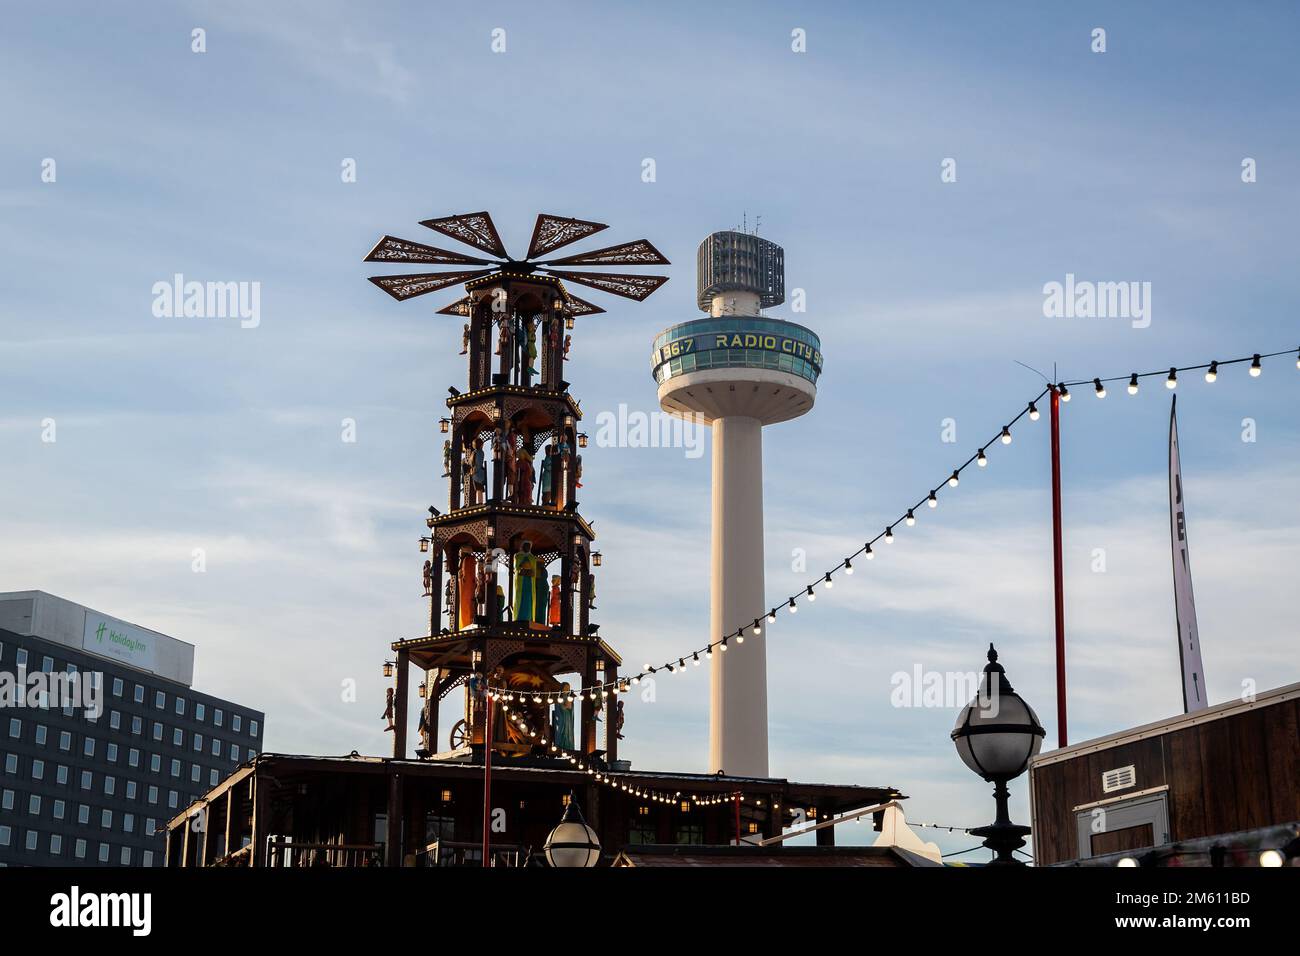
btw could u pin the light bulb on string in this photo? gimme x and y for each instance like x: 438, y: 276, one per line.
x: 870, y: 555
x: 933, y: 500
x: 1064, y: 392
x: 848, y: 566
x: 1255, y: 368
x: 794, y: 608
x: 1006, y: 434
x: 1172, y: 380
x: 1033, y: 412
x: 1212, y: 372
x: 889, y: 535
x: 812, y: 595
x: 1100, y: 388
x: 1133, y: 384
x: 910, y: 519
x: 829, y: 583
x: 757, y: 629
x: 952, y: 482
x: 771, y: 616
x: 981, y: 459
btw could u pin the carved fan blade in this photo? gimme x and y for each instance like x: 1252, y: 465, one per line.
x: 402, y: 288
x: 552, y: 232
x: 392, y: 249
x: 577, y: 307
x: 459, y: 307
x: 472, y: 228
x: 619, y: 283
x: 638, y: 253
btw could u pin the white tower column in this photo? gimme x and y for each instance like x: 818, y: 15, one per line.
x: 738, y: 702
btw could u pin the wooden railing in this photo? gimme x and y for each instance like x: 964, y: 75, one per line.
x: 290, y: 853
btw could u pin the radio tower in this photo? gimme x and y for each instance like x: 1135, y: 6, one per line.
x: 738, y: 370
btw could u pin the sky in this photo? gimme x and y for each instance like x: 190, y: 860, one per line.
x: 176, y: 434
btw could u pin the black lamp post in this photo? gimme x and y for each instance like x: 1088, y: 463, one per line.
x: 996, y: 735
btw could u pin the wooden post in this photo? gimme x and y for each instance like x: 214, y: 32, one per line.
x: 1058, y: 568
x: 487, y: 778
x: 400, y: 706
x: 588, y: 743
x: 611, y: 716
x: 393, y: 851
x: 230, y: 812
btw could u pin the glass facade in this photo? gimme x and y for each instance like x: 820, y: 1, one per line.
x: 737, y: 342
x: 92, y: 799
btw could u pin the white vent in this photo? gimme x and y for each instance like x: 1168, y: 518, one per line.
x: 1119, y: 779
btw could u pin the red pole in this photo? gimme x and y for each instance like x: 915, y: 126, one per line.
x: 1058, y: 567
x: 487, y: 777
x: 737, y: 819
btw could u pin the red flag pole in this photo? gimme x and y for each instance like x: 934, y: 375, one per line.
x: 487, y: 778
x: 1058, y: 567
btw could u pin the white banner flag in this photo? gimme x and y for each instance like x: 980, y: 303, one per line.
x: 1189, y: 640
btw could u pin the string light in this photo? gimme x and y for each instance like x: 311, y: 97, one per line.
x: 952, y: 482
x: 1255, y: 368
x: 829, y: 582
x: 909, y: 518
x: 1101, y: 389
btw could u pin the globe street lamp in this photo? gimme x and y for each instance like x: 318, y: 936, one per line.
x: 572, y: 843
x: 996, y: 735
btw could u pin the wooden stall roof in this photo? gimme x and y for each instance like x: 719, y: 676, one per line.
x: 828, y: 798
x: 1170, y: 724
x: 828, y: 856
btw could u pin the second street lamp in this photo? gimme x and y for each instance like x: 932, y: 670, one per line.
x: 996, y: 735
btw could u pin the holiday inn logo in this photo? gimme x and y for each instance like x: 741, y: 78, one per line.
x: 131, y: 644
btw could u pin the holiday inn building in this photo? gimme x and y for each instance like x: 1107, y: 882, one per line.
x: 102, y: 736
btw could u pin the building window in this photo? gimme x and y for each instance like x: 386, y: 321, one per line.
x: 7, y: 800
x: 157, y: 731
x: 79, y: 849
x: 115, y: 719
x: 198, y: 743
x: 106, y: 819
x: 214, y: 777
x: 38, y: 769
x: 11, y: 763
x: 83, y: 815
x: 216, y: 717
x: 178, y: 738
x: 117, y: 687
x: 47, y: 664
x: 21, y: 658
x: 103, y: 853
x: 176, y: 767
x: 65, y: 741
x: 252, y: 728
x: 128, y: 823
x: 112, y: 753
x: 133, y: 757
x: 61, y: 775
x: 172, y: 798
x: 234, y: 753
x: 34, y: 805
x: 88, y: 749
x: 5, y: 835
x: 195, y: 770
x: 137, y: 726
x: 126, y: 856
x: 153, y: 794
x: 180, y: 706
x: 236, y: 723
x: 139, y: 693
x: 32, y: 837
x: 86, y: 780
x: 130, y: 789
x: 150, y: 826
x: 110, y: 786
x: 216, y: 747
x: 59, y: 807
x: 160, y: 700
x: 690, y: 833
x: 15, y: 727
x: 147, y: 859
x: 155, y: 763
x: 56, y: 844
x: 41, y: 732
x: 641, y: 831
